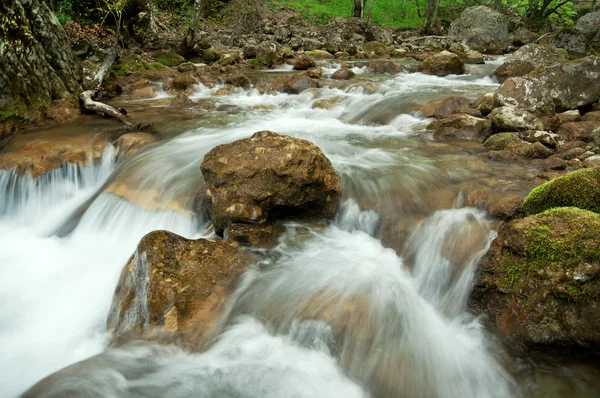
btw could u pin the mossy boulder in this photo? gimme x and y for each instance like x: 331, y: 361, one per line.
x: 173, y: 289
x: 211, y: 55
x: 540, y: 281
x: 579, y: 188
x: 461, y: 127
x: 168, y: 58
x: 269, y: 177
x: 442, y: 64
x: 376, y: 47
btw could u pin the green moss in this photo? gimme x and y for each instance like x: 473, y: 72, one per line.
x: 212, y: 55
x: 580, y: 188
x: 168, y: 58
x: 502, y: 141
x: 255, y: 62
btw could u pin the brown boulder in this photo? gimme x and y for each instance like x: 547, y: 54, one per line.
x: 130, y: 143
x: 267, y: 177
x: 386, y: 66
x: 343, y: 74
x: 443, y: 64
x: 238, y: 80
x: 304, y: 62
x: 173, y: 289
x: 293, y: 84
x: 181, y: 101
x: 577, y: 130
x: 448, y: 107
x: 462, y: 127
x: 526, y: 59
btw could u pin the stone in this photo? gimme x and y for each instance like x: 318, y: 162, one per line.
x: 343, y: 74
x: 238, y: 80
x: 376, y: 47
x: 556, y: 88
x: 448, y: 107
x: 506, y: 207
x: 592, y: 162
x: 145, y: 30
x: 569, y: 116
x: 269, y: 177
x: 570, y: 40
x: 304, y: 62
x: 168, y: 58
x: 525, y: 60
x: 314, y: 73
x: 131, y: 143
x: 503, y: 141
x: 485, y: 103
x: 182, y: 82
x: 506, y: 119
x: 555, y: 163
x: 539, y: 282
x: 482, y: 29
x: 143, y: 93
x: 550, y: 140
x: 320, y: 54
x: 443, y: 64
x: 523, y: 36
x: 385, y: 66
x: 211, y: 55
x: 293, y: 84
x: 577, y: 131
x: 579, y: 188
x: 462, y: 127
x: 589, y: 26
x: 174, y: 289
x: 593, y: 116
x: 181, y: 101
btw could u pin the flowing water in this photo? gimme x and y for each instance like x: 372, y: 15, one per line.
x: 372, y: 304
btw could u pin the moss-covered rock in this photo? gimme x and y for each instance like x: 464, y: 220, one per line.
x: 540, y: 281
x: 168, y: 58
x: 212, y: 55
x: 376, y: 47
x: 579, y: 188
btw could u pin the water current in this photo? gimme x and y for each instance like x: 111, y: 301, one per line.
x: 372, y: 304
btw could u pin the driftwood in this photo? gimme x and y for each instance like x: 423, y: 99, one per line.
x: 89, y: 97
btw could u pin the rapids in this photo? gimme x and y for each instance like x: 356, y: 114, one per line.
x: 372, y: 304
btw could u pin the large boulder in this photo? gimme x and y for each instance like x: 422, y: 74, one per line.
x: 482, y: 29
x: 268, y: 177
x: 526, y: 59
x: 579, y: 188
x: 461, y: 127
x: 385, y: 66
x: 293, y: 84
x: 506, y: 118
x: 343, y: 74
x: 173, y: 289
x: 448, y: 107
x: 443, y: 64
x: 556, y: 88
x: 589, y: 25
x: 540, y: 281
x: 570, y: 40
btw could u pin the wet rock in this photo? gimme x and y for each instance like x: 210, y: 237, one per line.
x: 319, y: 54
x: 304, y: 62
x: 485, y: 104
x: 571, y: 153
x: 293, y: 84
x: 328, y: 103
x: 579, y: 188
x: 501, y: 155
x: 482, y: 29
x: 448, y: 107
x: 131, y: 143
x: 539, y: 282
x: 555, y: 163
x: 211, y: 55
x: 252, y: 235
x: 379, y: 49
x: 182, y: 82
x: 238, y: 80
x: 341, y: 55
x: 506, y: 207
x: 593, y: 116
x: 463, y: 127
x: 385, y: 66
x: 548, y: 139
x: 577, y: 131
x: 225, y: 90
x: 503, y: 141
x: 268, y: 177
x: 143, y: 93
x: 173, y: 289
x: 443, y: 64
x: 537, y: 150
x: 556, y: 88
x: 181, y: 101
x: 506, y: 118
x: 526, y: 59
x: 314, y: 73
x: 186, y: 67
x: 343, y: 74
x: 569, y: 116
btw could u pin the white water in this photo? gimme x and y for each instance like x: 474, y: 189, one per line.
x: 55, y: 292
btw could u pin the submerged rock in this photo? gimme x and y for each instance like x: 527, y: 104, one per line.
x: 293, y: 84
x: 131, y: 143
x: 540, y: 281
x: 579, y: 188
x: 462, y: 127
x: 481, y: 28
x: 173, y: 289
x: 304, y: 62
x: 385, y: 66
x: 343, y: 74
x: 269, y: 177
x: 443, y: 64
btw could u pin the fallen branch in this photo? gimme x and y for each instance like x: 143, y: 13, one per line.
x: 111, y: 57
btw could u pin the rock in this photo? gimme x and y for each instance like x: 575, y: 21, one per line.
x: 385, y: 66
x: 328, y: 103
x: 143, y: 93
x: 579, y: 188
x: 569, y: 116
x: 343, y: 74
x: 238, y: 80
x: 485, y: 104
x: 525, y: 60
x: 304, y: 62
x: 596, y: 136
x: 589, y: 26
x: 556, y: 88
x: 538, y: 151
x: 168, y: 58
x: 548, y: 139
x: 293, y: 84
x: 539, y: 282
x: 341, y: 55
x: 506, y: 118
x: 572, y: 153
x: 319, y: 54
x: 501, y: 155
x: 577, y: 131
x: 268, y: 177
x: 186, y: 67
x: 252, y: 235
x: 503, y: 141
x: 268, y: 53
x: 145, y: 30
x: 211, y: 55
x: 482, y: 29
x: 448, y: 107
x: 472, y: 57
x: 568, y: 39
x: 129, y: 144
x: 592, y: 161
x: 181, y: 101
x: 555, y: 163
x: 462, y: 127
x: 173, y: 288
x: 593, y: 116
x: 314, y: 73
x: 443, y: 64
x: 376, y: 47
x: 523, y: 36
x: 182, y: 82
x: 507, y: 207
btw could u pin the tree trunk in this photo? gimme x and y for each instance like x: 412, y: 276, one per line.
x: 370, y: 13
x: 418, y: 8
x: 38, y: 69
x: 404, y: 9
x: 358, y: 9
x: 431, y: 16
